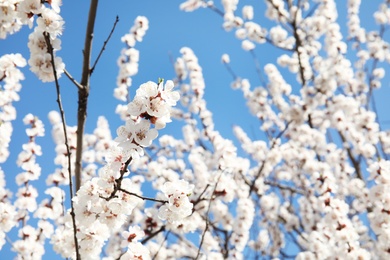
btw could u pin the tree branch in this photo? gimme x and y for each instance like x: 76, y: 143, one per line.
x: 165, y: 239
x: 84, y: 91
x: 355, y: 163
x: 153, y: 235
x: 50, y: 51
x: 207, y: 217
x: 142, y: 197
x: 105, y: 44
x: 77, y: 84
x: 284, y: 187
x: 258, y: 68
x: 252, y: 186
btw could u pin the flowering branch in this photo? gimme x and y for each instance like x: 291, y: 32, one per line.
x: 252, y: 186
x: 207, y: 216
x: 142, y: 197
x: 355, y: 163
x: 284, y: 187
x: 50, y: 50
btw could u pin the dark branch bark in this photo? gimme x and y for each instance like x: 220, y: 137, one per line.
x: 84, y: 91
x: 207, y: 217
x: 355, y: 163
x: 252, y: 186
x: 104, y: 45
x: 77, y: 84
x: 50, y: 51
x: 162, y: 229
x: 142, y: 197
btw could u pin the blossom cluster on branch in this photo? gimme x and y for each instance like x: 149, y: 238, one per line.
x: 44, y: 39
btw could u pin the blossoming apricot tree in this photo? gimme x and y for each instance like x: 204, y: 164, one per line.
x: 319, y: 182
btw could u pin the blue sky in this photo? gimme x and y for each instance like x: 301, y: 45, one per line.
x: 169, y: 30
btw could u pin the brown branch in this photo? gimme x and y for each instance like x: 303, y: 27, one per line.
x: 118, y: 186
x: 118, y: 182
x: 284, y: 187
x: 258, y: 68
x: 207, y: 217
x: 252, y: 186
x: 105, y: 44
x: 268, y: 40
x: 230, y: 70
x: 75, y: 82
x: 142, y: 197
x: 355, y: 163
x: 215, y: 9
x: 162, y: 229
x: 84, y: 91
x: 51, y: 52
x: 162, y: 243
x: 200, y: 196
x: 298, y: 43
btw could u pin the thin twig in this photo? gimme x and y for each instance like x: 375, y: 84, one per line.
x: 258, y: 69
x: 284, y: 187
x: 252, y: 186
x: 216, y: 10
x: 50, y: 50
x: 200, y: 196
x: 105, y: 44
x: 118, y: 182
x: 77, y: 84
x: 9, y: 241
x: 142, y: 197
x: 165, y: 239
x: 355, y: 163
x: 207, y: 217
x: 155, y: 233
x: 268, y: 40
x: 230, y: 70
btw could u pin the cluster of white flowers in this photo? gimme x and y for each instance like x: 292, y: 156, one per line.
x: 11, y: 18
x: 241, y: 228
x: 382, y: 16
x: 333, y: 95
x: 26, y: 159
x: 179, y: 205
x: 31, y: 240
x: 379, y: 198
x: 10, y: 77
x: 128, y: 62
x: 49, y: 27
x: 135, y: 250
x: 8, y: 211
x: 192, y: 5
x: 109, y: 194
x: 15, y: 14
x: 60, y: 176
x: 277, y: 10
x: 150, y: 106
x: 98, y: 216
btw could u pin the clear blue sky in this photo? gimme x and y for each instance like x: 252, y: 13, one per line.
x: 169, y: 30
